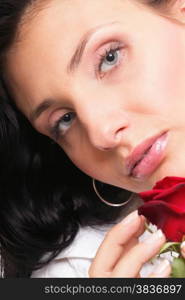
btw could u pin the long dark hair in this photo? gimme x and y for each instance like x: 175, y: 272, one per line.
x: 44, y: 198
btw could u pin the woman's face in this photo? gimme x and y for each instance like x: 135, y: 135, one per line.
x: 105, y: 79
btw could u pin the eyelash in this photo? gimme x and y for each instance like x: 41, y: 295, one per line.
x: 56, y: 132
x: 111, y: 48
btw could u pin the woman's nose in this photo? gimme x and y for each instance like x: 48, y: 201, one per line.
x: 105, y: 137
x: 105, y: 128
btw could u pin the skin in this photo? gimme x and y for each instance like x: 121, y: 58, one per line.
x: 112, y: 117
x: 116, y: 107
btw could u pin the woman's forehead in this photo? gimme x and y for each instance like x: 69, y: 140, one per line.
x: 71, y: 16
x: 66, y: 22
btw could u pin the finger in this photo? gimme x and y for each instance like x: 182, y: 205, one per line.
x: 134, y: 239
x: 113, y: 245
x: 131, y: 242
x: 162, y: 270
x: 131, y: 263
x: 183, y: 249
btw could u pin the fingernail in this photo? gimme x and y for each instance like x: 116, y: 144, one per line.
x: 162, y: 268
x: 130, y: 218
x: 183, y: 246
x: 154, y: 237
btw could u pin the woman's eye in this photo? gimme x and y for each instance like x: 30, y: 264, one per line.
x: 109, y: 60
x: 63, y: 124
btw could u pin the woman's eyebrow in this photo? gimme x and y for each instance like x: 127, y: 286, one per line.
x: 78, y: 54
x: 44, y: 105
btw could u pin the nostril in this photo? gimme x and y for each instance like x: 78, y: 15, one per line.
x: 108, y: 140
x: 105, y: 137
x: 105, y: 148
x: 119, y: 133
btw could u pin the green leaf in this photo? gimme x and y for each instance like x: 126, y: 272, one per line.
x: 178, y: 268
x: 170, y: 246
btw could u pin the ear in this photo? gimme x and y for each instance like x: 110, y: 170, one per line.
x: 177, y: 9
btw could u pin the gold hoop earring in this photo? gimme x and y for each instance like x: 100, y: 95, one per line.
x: 107, y: 202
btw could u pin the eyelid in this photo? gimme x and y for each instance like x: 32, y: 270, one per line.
x: 101, y: 55
x: 57, y: 118
x: 108, y: 45
x: 113, y: 32
x: 57, y: 114
x: 113, y: 45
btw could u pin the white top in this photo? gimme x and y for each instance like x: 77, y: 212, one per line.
x: 75, y: 260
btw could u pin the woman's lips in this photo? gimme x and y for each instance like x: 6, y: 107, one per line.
x: 146, y: 157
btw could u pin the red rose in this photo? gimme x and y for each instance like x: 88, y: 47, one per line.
x: 165, y: 207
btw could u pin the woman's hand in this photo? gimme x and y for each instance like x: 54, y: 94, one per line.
x: 122, y: 255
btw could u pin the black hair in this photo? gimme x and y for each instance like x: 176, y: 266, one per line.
x: 44, y: 198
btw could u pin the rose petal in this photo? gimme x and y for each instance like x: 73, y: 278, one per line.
x: 168, y: 182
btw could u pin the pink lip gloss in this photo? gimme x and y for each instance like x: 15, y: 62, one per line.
x: 151, y: 159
